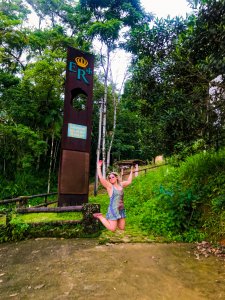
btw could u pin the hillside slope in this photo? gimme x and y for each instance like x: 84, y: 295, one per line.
x: 184, y: 203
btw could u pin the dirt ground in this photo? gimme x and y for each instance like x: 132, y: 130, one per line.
x: 83, y: 269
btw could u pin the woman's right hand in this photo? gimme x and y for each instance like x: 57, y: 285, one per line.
x: 103, y: 181
x: 100, y: 163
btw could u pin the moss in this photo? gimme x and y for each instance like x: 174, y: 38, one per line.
x: 18, y: 227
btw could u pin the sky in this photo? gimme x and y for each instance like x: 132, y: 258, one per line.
x: 161, y: 9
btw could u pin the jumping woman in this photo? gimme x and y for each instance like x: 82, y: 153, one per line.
x: 115, y: 217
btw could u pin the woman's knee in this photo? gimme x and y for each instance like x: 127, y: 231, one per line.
x: 113, y: 226
x: 121, y: 224
x: 113, y: 229
x: 121, y: 227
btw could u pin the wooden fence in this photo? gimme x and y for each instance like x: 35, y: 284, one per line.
x: 23, y: 200
x: 145, y: 169
x: 89, y: 224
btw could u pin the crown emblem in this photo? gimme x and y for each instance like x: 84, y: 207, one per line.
x: 81, y: 62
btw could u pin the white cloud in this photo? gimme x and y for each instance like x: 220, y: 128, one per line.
x: 163, y: 8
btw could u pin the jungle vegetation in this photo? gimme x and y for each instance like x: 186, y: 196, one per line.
x: 172, y: 102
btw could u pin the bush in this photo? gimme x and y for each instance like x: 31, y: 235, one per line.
x: 175, y: 202
x: 25, y: 183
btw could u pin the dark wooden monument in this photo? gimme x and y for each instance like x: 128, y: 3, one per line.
x: 73, y: 184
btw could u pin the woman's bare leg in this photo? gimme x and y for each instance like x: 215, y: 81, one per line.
x: 121, y: 223
x: 109, y: 224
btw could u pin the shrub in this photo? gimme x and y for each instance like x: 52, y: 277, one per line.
x: 175, y: 202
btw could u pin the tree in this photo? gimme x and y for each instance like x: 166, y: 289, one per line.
x: 108, y: 20
x: 174, y: 62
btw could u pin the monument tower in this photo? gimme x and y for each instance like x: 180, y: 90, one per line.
x: 73, y: 180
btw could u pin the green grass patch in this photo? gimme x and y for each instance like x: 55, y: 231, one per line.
x: 48, y: 217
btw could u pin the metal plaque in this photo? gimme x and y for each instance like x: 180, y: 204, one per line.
x: 77, y: 131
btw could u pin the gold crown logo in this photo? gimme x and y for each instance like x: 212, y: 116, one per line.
x: 81, y: 62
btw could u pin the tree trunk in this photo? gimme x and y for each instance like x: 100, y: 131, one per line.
x: 55, y: 155
x: 38, y: 163
x: 98, y: 147
x: 115, y: 102
x: 4, y: 161
x: 114, y: 129
x: 104, y: 115
x: 46, y: 150
x: 50, y: 164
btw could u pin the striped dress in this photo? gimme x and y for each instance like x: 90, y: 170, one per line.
x: 116, y: 208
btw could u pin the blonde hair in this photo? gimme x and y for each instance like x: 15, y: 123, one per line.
x: 115, y: 174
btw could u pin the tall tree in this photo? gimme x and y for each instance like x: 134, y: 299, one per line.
x: 108, y: 20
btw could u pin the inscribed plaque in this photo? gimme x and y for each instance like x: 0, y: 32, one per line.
x: 77, y: 131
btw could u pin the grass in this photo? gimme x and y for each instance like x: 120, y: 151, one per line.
x: 49, y: 217
x: 165, y: 204
x: 169, y: 203
x: 134, y: 196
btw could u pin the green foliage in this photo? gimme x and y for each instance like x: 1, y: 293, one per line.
x: 32, y: 77
x: 170, y: 214
x: 177, y: 203
x: 18, y: 229
x: 214, y: 224
x: 202, y: 168
x: 175, y: 63
x: 126, y: 141
x: 218, y: 203
x: 184, y: 203
x: 21, y: 146
x: 164, y: 208
x: 165, y: 107
x: 107, y: 31
x: 62, y: 231
x: 25, y: 183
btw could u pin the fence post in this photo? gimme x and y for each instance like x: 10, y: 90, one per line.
x: 136, y: 170
x: 46, y: 198
x: 8, y: 217
x: 23, y: 201
x: 121, y: 174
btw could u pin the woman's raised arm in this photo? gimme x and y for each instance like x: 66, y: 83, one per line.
x: 129, y: 179
x: 103, y: 181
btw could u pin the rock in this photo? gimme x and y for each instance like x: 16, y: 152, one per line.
x: 37, y: 287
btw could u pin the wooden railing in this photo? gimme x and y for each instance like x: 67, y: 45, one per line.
x: 145, y: 169
x: 23, y: 200
x: 88, y: 222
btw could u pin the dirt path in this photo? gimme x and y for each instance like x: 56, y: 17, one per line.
x: 83, y: 269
